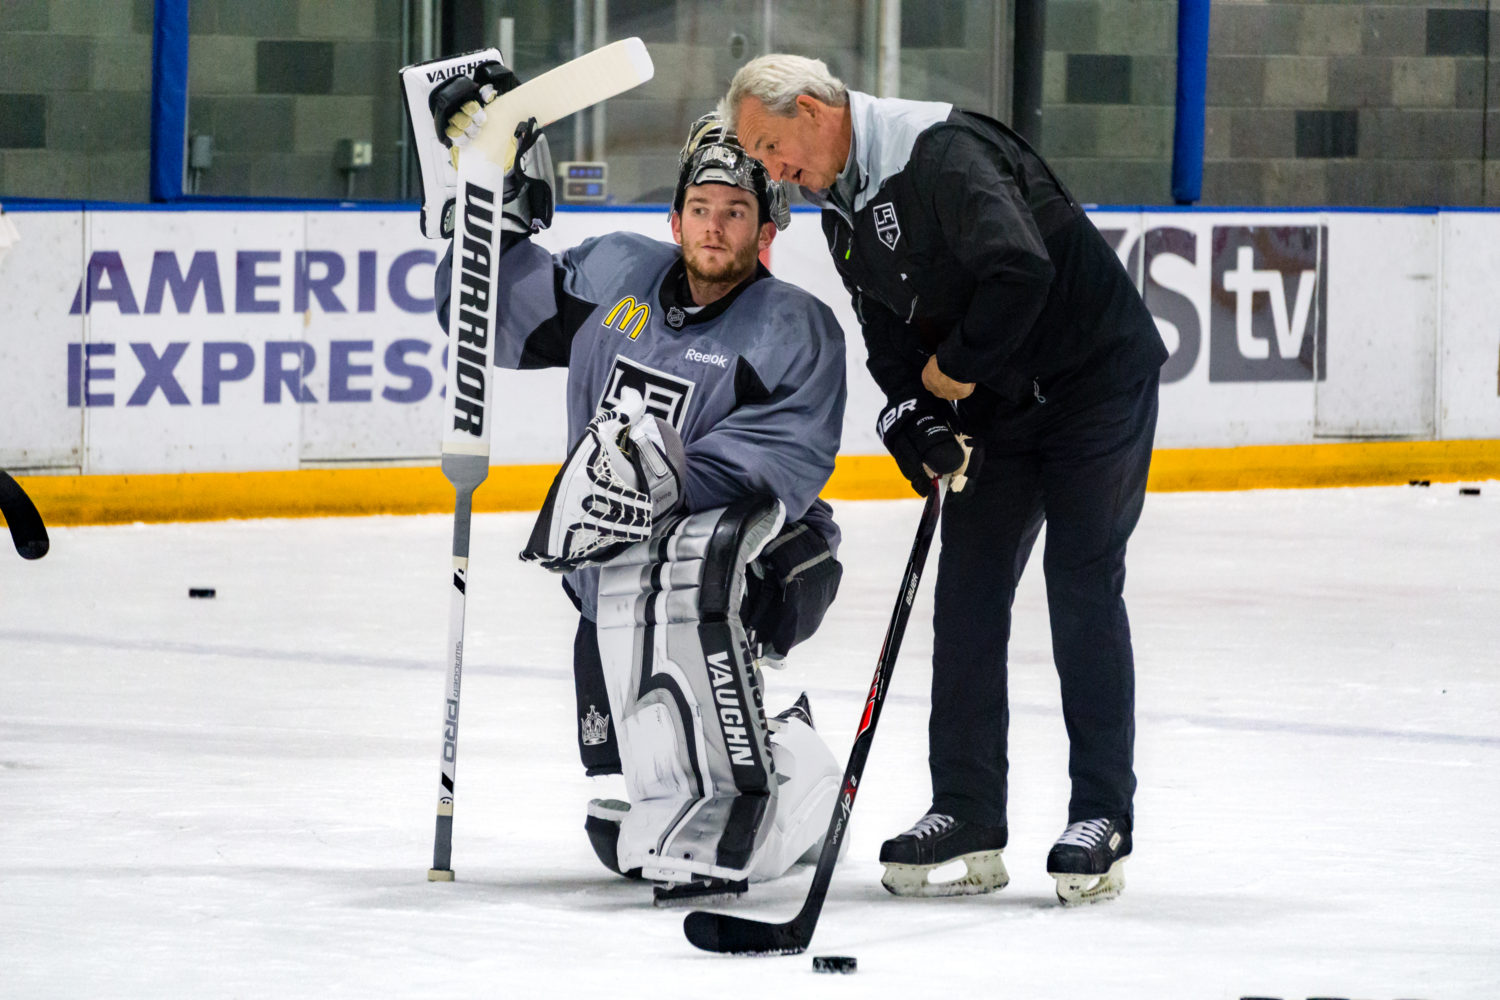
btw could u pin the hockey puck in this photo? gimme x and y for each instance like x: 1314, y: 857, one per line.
x: 1468, y: 491
x: 835, y: 963
x: 200, y: 591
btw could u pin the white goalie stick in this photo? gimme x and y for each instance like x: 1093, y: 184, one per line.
x: 20, y: 514
x: 472, y: 313
x: 723, y: 932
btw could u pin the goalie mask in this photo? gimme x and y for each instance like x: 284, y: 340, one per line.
x: 713, y: 155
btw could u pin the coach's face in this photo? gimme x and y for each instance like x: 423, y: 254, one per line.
x: 808, y: 149
x: 720, y: 232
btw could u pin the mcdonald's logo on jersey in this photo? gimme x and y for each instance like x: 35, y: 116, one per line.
x: 628, y: 316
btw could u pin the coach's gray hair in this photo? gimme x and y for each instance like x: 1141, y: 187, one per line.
x: 777, y: 80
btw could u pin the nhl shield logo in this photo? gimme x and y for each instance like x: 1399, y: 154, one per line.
x: 886, y: 226
x: 595, y: 728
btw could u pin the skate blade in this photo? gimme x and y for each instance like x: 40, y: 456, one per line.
x: 697, y: 896
x: 1080, y: 890
x: 985, y: 872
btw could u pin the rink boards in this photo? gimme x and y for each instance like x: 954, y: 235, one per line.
x: 144, y: 349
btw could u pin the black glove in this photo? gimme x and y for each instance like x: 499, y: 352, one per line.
x: 457, y: 105
x: 917, y: 434
x: 527, y: 204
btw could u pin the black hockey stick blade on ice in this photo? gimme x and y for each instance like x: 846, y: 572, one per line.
x: 26, y: 527
x: 722, y: 932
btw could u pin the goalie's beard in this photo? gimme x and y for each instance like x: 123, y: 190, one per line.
x: 728, y: 274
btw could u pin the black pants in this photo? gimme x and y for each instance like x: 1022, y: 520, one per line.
x: 1084, y: 473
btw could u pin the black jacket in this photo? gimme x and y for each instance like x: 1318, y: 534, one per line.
x: 955, y: 238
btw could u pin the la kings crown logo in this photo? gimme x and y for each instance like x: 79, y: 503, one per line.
x: 595, y: 728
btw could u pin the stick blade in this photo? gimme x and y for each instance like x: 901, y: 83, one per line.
x: 20, y: 514
x: 730, y: 935
x: 593, y: 77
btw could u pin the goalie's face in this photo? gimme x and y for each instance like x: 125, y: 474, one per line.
x: 720, y: 233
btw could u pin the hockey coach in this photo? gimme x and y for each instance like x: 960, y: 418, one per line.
x: 705, y: 404
x: 1000, y: 324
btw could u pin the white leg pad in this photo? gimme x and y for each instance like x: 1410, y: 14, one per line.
x: 804, y: 801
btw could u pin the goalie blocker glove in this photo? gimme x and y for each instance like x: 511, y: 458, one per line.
x: 457, y: 104
x: 917, y: 434
x: 458, y: 115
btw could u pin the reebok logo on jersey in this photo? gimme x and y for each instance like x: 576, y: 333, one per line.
x: 722, y: 360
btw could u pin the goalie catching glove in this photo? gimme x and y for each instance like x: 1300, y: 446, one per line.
x: 621, y: 478
x: 926, y: 447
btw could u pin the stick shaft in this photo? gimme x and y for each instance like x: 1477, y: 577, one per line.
x: 461, y: 470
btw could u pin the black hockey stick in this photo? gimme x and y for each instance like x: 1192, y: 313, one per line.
x: 722, y: 932
x: 26, y: 527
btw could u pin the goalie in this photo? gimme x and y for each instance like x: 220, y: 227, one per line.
x: 705, y: 404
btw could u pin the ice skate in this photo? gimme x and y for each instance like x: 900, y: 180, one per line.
x: 1088, y: 861
x: 702, y: 891
x: 936, y: 840
x: 602, y: 824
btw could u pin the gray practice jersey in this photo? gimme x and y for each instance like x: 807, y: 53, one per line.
x: 754, y: 383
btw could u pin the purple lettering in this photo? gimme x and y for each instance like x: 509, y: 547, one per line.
x: 105, y: 264
x: 157, y: 374
x: 366, y: 281
x: 321, y: 287
x: 166, y: 275
x: 399, y: 281
x: 81, y: 373
x: 242, y: 359
x: 419, y: 377
x: 341, y: 369
x: 247, y: 279
x: 279, y: 374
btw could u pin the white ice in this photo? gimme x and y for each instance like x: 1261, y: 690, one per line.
x: 235, y: 797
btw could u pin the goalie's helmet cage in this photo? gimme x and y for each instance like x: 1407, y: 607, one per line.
x: 713, y: 155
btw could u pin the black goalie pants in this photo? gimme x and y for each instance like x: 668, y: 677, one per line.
x: 1084, y: 474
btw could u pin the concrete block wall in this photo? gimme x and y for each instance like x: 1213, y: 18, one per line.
x: 278, y: 84
x: 697, y: 47
x: 1376, y: 103
x: 75, y: 98
x: 1311, y: 102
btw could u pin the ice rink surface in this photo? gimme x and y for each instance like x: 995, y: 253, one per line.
x: 234, y: 797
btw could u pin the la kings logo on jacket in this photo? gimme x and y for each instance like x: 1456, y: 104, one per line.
x: 886, y: 226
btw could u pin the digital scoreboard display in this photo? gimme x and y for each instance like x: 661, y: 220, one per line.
x: 583, y: 181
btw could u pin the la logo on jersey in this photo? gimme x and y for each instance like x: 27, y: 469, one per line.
x: 667, y: 396
x: 886, y: 226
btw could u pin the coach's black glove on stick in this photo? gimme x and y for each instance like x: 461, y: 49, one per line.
x: 917, y: 434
